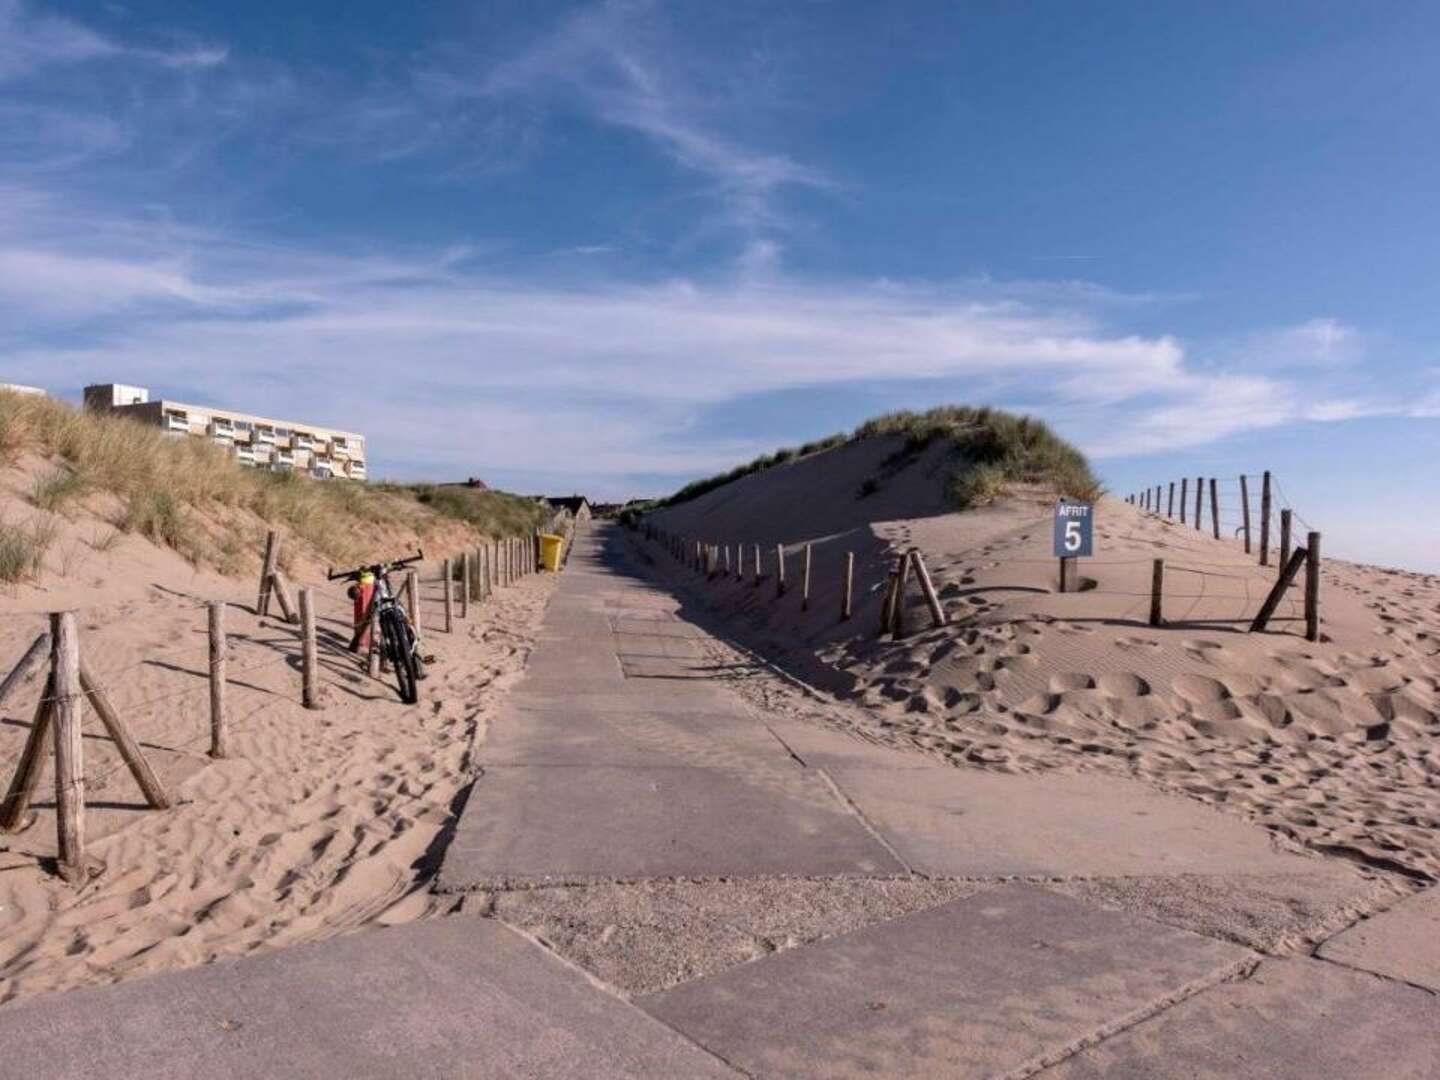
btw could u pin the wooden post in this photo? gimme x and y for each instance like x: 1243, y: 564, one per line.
x: 805, y: 582
x: 267, y: 568
x: 1184, y: 496
x: 411, y: 588
x: 1282, y: 583
x: 779, y: 569
x: 129, y: 749
x: 449, y: 597
x: 1312, y: 586
x: 1157, y: 593
x: 69, y: 747
x: 1145, y: 500
x: 898, y: 627
x: 757, y: 566
x: 1284, y: 537
x: 739, y: 562
x: 281, y: 589
x: 1215, y: 506
x: 13, y: 816
x: 1199, y: 500
x: 1170, y: 502
x: 309, y: 662
x: 887, y: 606
x: 1158, y: 488
x: 1245, y: 511
x: 218, y: 740
x: 1069, y: 576
x: 727, y: 560
x: 937, y: 613
x: 29, y: 660
x: 465, y: 585
x: 372, y: 661
x: 845, y: 602
x: 1265, y: 519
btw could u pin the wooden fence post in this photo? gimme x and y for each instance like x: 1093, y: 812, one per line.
x: 1157, y: 592
x: 309, y: 691
x: 1284, y: 536
x: 1170, y: 502
x: 372, y: 660
x: 779, y: 569
x: 805, y: 582
x: 845, y: 601
x: 739, y: 562
x: 1277, y: 591
x: 757, y: 566
x: 411, y: 589
x: 887, y: 606
x: 219, y: 747
x: 281, y: 589
x: 898, y: 622
x: 1265, y: 519
x: 449, y: 597
x: 1312, y: 586
x: 1245, y: 511
x: 1184, y: 496
x: 29, y: 660
x: 464, y: 584
x: 937, y: 613
x: 13, y: 816
x: 1199, y: 501
x: 69, y: 748
x: 267, y: 568
x: 1215, y: 506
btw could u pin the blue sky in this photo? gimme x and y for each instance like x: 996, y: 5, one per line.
x: 614, y: 246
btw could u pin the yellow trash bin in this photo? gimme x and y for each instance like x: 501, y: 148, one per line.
x: 551, y: 547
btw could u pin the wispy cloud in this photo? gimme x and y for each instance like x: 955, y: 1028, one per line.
x: 31, y: 40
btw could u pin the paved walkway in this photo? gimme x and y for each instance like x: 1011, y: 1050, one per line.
x: 622, y: 756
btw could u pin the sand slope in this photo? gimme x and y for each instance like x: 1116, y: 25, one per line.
x: 1334, y: 744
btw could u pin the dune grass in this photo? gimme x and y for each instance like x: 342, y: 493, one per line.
x: 166, y: 486
x: 994, y: 450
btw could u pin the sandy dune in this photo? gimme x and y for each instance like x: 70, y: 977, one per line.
x: 1331, y: 744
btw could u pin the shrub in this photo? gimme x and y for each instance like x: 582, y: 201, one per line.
x: 23, y: 548
x: 57, y: 489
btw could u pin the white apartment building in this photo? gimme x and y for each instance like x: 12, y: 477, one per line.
x: 256, y: 441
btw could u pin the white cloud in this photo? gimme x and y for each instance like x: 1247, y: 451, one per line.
x: 31, y: 40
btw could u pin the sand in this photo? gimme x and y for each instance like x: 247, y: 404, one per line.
x: 319, y: 822
x: 1332, y: 745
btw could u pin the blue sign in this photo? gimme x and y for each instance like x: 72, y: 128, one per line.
x: 1074, y: 530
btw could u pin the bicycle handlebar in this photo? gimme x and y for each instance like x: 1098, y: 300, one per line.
x: 377, y: 568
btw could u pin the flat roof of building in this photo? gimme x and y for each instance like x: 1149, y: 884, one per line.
x: 250, y: 418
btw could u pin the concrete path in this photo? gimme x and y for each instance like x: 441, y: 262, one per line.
x: 448, y: 998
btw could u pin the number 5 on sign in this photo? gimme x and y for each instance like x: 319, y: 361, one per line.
x: 1074, y: 530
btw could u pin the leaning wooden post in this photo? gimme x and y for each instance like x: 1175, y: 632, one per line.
x: 1157, y: 593
x: 1245, y: 511
x: 845, y: 608
x: 281, y: 590
x: 1184, y: 496
x: 1170, y: 502
x: 1215, y: 506
x: 1284, y: 536
x: 1277, y: 591
x: 69, y: 747
x: 887, y: 606
x: 1199, y: 501
x: 1265, y: 519
x: 218, y: 736
x: 937, y: 613
x: 29, y: 660
x: 1312, y: 586
x: 13, y: 816
x: 267, y: 569
x: 449, y: 597
x: 805, y: 582
x: 309, y: 662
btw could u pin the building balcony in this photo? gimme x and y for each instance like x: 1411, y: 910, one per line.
x: 174, y: 422
x: 264, y: 435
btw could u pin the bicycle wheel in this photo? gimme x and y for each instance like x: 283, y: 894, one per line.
x: 401, y: 654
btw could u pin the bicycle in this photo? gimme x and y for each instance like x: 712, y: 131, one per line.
x: 398, y: 638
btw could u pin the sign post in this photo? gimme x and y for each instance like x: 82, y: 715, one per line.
x: 1074, y: 539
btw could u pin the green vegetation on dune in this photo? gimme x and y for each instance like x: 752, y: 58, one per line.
x: 993, y: 449
x: 163, y: 483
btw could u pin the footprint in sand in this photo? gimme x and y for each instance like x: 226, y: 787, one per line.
x: 1071, y: 680
x: 1123, y: 684
x: 1199, y: 689
x: 1137, y: 643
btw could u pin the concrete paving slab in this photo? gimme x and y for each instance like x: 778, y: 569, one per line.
x: 1291, y: 1020
x: 820, y: 747
x: 456, y: 997
x: 562, y: 824
x: 1403, y: 943
x: 968, y: 822
x: 976, y: 987
x: 635, y: 737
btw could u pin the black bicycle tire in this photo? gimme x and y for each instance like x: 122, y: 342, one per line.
x: 402, y: 659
